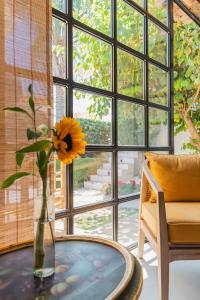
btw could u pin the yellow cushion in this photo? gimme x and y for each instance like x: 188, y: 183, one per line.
x: 177, y: 175
x: 183, y: 221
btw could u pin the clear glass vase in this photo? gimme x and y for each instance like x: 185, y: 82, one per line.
x: 44, y: 243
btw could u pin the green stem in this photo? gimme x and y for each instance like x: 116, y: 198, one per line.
x: 39, y: 243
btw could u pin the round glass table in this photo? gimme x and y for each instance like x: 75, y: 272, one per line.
x: 86, y: 268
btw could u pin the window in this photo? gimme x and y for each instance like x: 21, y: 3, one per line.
x: 112, y: 69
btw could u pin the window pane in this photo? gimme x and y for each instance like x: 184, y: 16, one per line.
x: 97, y: 222
x: 95, y: 117
x: 94, y: 13
x: 129, y: 26
x: 158, y: 8
x: 158, y: 85
x: 59, y: 4
x: 158, y: 127
x: 129, y: 172
x: 130, y: 120
x: 130, y: 75
x: 92, y: 178
x: 59, y: 100
x: 59, y: 94
x: 128, y: 222
x: 139, y: 2
x: 157, y: 43
x: 61, y: 227
x: 59, y: 48
x: 92, y: 60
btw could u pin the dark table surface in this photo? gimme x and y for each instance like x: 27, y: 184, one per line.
x: 85, y: 270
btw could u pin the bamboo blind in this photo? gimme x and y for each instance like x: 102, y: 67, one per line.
x: 25, y: 31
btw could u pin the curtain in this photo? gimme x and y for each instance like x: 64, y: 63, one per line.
x: 25, y: 57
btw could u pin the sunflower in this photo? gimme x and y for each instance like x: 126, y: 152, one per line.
x: 68, y: 140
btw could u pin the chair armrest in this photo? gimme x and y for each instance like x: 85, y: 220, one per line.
x: 151, y: 180
x: 161, y: 212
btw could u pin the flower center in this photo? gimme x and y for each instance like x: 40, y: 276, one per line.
x: 68, y: 140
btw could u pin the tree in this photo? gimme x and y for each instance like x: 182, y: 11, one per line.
x: 187, y: 81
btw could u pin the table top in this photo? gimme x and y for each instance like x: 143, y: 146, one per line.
x: 87, y: 268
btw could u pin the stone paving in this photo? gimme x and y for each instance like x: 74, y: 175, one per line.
x: 99, y: 222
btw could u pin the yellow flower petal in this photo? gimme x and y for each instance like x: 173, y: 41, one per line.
x: 68, y: 141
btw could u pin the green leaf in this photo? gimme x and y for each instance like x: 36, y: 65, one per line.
x: 31, y: 135
x: 36, y: 147
x: 31, y: 102
x: 11, y: 179
x: 30, y: 88
x: 19, y: 158
x: 41, y: 160
x: 19, y: 110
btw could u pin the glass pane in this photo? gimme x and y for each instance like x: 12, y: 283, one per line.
x: 158, y: 85
x: 60, y: 184
x: 92, y: 60
x: 130, y: 120
x: 94, y: 13
x: 59, y: 4
x: 129, y: 172
x: 59, y: 94
x: 59, y: 48
x: 129, y: 26
x: 59, y: 100
x: 130, y: 75
x: 157, y: 43
x: 128, y: 222
x: 97, y: 222
x: 61, y: 227
x: 95, y: 116
x: 158, y: 8
x: 158, y: 127
x: 92, y: 178
x: 139, y: 2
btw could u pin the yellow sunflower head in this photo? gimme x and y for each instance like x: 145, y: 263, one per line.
x: 68, y: 140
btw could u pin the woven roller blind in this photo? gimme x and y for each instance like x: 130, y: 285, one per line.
x: 25, y: 31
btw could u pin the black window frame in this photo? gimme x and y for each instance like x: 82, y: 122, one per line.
x: 69, y: 83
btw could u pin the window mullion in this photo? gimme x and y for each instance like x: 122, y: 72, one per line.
x: 69, y: 112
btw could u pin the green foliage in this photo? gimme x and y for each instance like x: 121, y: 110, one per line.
x: 84, y: 168
x: 31, y: 102
x: 19, y: 158
x: 94, y: 13
x: 18, y: 110
x: 186, y: 75
x: 92, y: 58
x: 36, y: 147
x: 31, y: 134
x: 130, y: 124
x: 59, y: 4
x: 97, y: 132
x: 11, y: 179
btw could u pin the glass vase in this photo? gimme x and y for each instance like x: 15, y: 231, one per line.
x: 44, y: 243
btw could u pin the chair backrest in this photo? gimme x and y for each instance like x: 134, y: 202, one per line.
x: 177, y: 175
